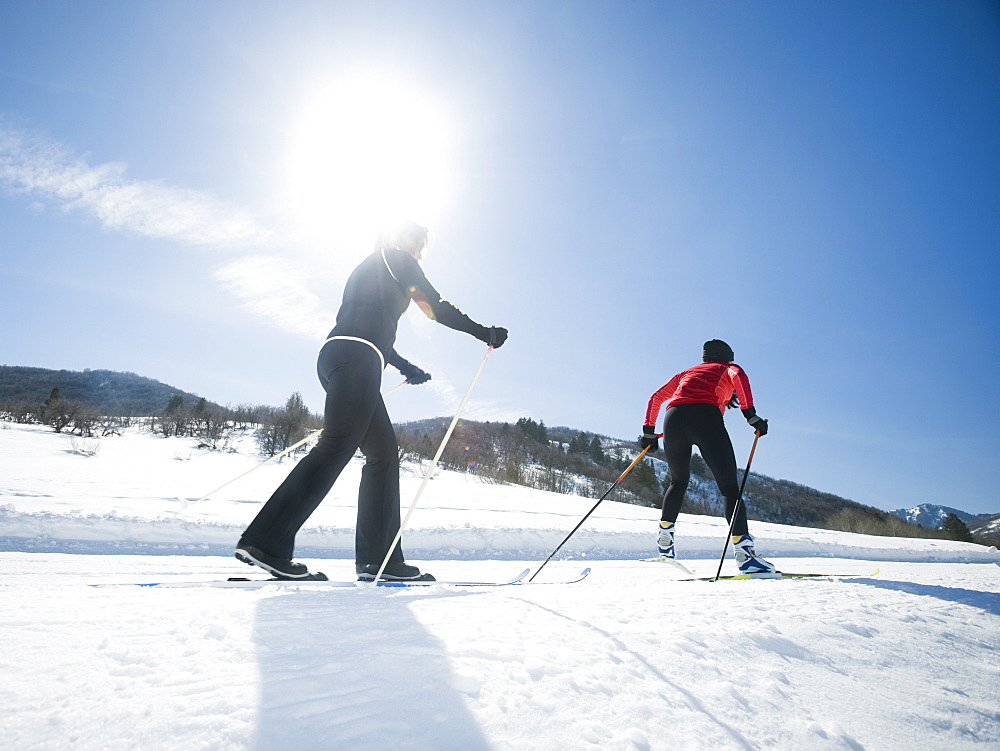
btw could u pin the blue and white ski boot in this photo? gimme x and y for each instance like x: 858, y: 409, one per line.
x: 747, y: 558
x: 665, y: 540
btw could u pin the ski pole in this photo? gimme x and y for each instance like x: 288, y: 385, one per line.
x: 430, y: 469
x: 281, y: 454
x: 606, y: 494
x: 736, y: 506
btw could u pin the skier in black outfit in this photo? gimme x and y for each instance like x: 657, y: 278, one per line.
x: 350, y: 368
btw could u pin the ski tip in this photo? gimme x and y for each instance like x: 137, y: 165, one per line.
x: 520, y: 576
x: 670, y: 562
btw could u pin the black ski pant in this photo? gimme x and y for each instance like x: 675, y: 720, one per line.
x: 354, y: 417
x: 701, y: 425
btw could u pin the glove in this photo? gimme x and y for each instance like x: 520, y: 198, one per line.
x: 649, y: 438
x: 497, y: 336
x: 756, y: 422
x: 414, y: 375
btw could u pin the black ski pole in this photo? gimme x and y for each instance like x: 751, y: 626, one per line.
x: 736, y: 506
x: 615, y: 485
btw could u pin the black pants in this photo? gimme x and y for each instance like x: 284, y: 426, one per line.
x: 354, y: 417
x: 701, y: 425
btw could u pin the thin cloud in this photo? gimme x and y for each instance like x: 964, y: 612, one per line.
x: 45, y: 170
x: 269, y: 291
x: 51, y: 175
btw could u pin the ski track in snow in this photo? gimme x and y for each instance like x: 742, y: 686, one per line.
x: 631, y: 658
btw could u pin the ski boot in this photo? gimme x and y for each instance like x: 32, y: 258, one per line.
x: 282, y: 568
x: 747, y: 559
x: 394, y: 572
x: 665, y: 540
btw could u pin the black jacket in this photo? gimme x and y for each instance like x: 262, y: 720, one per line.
x: 377, y: 294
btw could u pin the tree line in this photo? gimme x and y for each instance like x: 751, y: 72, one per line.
x: 568, y: 461
x: 527, y: 453
x: 214, y: 426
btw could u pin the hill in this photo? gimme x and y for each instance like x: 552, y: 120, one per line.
x: 109, y: 391
x: 565, y: 460
x: 986, y: 529
x: 931, y: 515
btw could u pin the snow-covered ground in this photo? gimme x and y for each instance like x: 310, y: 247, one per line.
x: 631, y: 658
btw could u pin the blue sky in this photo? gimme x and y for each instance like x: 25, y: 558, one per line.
x: 185, y: 185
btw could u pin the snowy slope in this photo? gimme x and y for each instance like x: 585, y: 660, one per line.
x: 631, y: 658
x: 933, y: 516
x: 138, y: 494
x: 989, y: 525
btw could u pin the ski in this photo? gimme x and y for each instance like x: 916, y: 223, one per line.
x: 671, y: 561
x: 578, y: 578
x: 779, y: 575
x: 514, y: 580
x: 239, y: 582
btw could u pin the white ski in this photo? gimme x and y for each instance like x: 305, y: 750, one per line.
x: 247, y: 583
x: 672, y: 561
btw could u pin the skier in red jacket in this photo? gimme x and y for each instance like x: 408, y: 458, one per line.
x: 698, y: 398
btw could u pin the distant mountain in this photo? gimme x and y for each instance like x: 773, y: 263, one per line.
x: 987, y: 526
x: 107, y: 390
x: 558, y: 459
x: 930, y: 515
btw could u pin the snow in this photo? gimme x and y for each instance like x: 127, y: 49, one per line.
x: 933, y: 516
x: 631, y: 658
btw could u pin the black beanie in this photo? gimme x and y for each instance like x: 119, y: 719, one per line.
x: 716, y: 350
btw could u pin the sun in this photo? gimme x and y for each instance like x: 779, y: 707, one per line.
x: 363, y: 150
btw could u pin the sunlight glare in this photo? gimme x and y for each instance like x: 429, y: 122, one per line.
x: 364, y: 151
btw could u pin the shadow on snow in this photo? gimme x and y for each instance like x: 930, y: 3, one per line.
x: 988, y: 602
x: 355, y: 669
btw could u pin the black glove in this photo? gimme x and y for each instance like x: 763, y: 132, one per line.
x: 649, y: 438
x: 497, y: 336
x: 414, y: 375
x: 756, y: 422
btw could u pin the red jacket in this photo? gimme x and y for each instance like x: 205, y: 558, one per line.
x: 708, y: 383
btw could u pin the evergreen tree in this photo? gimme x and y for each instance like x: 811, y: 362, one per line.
x: 644, y: 476
x: 597, y: 450
x: 956, y: 529
x: 58, y: 412
x: 578, y: 444
x: 534, y: 429
x: 49, y: 407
